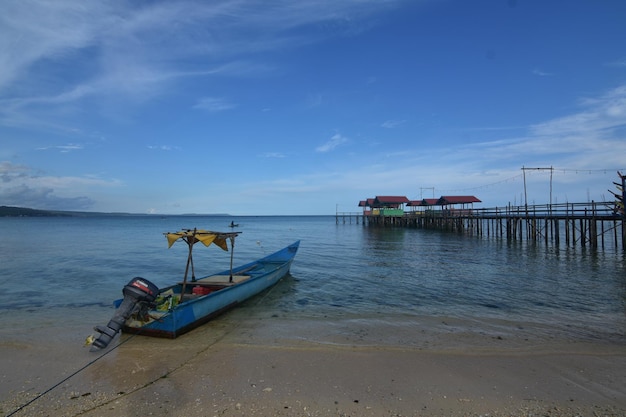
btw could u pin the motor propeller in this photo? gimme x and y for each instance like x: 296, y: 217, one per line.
x: 137, y: 292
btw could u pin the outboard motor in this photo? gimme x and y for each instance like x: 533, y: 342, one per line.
x: 137, y: 291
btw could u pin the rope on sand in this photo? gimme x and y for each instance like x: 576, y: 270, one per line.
x: 23, y: 406
x: 20, y: 408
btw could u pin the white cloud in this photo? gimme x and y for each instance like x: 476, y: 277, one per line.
x: 335, y: 141
x: 213, y: 104
x: 599, y: 116
x: 63, y: 148
x: 584, y: 148
x: 390, y: 124
x: 65, y: 51
x: 22, y: 186
x: 9, y: 171
x: 541, y: 73
x: 163, y: 147
x: 272, y: 155
x: 39, y: 30
x: 42, y: 198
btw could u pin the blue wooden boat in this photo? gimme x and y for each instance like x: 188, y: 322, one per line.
x: 179, y: 308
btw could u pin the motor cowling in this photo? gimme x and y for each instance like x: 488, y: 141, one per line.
x: 136, y: 292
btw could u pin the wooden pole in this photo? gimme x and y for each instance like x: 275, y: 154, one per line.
x: 232, y: 252
x: 623, y: 177
x: 189, y: 262
x: 556, y: 232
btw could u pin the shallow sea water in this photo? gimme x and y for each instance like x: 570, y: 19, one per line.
x: 72, y: 268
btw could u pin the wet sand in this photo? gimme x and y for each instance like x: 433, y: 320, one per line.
x: 351, y: 367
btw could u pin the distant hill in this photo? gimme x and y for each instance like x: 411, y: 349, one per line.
x: 7, y: 211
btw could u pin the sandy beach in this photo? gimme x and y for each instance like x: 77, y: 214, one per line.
x: 275, y: 366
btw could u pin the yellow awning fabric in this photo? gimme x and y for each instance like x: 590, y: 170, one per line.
x: 205, y: 236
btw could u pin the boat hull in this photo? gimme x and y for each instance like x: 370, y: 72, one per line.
x: 197, y: 310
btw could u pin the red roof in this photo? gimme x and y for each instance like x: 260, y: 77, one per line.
x: 388, y: 199
x: 423, y: 202
x: 458, y: 199
x: 384, y: 201
x: 430, y: 201
x: 396, y: 201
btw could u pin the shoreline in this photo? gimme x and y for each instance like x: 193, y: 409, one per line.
x: 275, y: 366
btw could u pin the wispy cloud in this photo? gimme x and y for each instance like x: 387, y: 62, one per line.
x: 22, y: 186
x: 391, y: 124
x: 594, y: 137
x: 597, y: 115
x: 62, y: 148
x: 618, y: 63
x: 138, y: 50
x: 272, y: 155
x: 165, y: 148
x: 335, y: 141
x: 42, y: 198
x: 591, y: 140
x: 213, y: 104
x: 541, y: 73
x: 10, y: 172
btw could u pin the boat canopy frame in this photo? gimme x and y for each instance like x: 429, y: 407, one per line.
x: 206, y: 237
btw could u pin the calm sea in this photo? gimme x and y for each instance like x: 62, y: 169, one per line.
x: 72, y: 268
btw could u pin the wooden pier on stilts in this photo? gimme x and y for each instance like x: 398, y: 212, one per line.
x: 349, y: 217
x: 595, y: 225
x: 591, y: 224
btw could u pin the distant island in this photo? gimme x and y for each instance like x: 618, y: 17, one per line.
x: 8, y: 211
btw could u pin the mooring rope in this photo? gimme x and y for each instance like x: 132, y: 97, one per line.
x: 20, y: 408
x: 189, y: 359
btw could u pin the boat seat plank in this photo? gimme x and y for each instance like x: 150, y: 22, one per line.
x: 219, y: 280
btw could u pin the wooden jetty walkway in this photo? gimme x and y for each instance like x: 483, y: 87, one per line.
x: 595, y: 225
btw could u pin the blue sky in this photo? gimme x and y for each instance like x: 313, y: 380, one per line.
x: 305, y: 107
